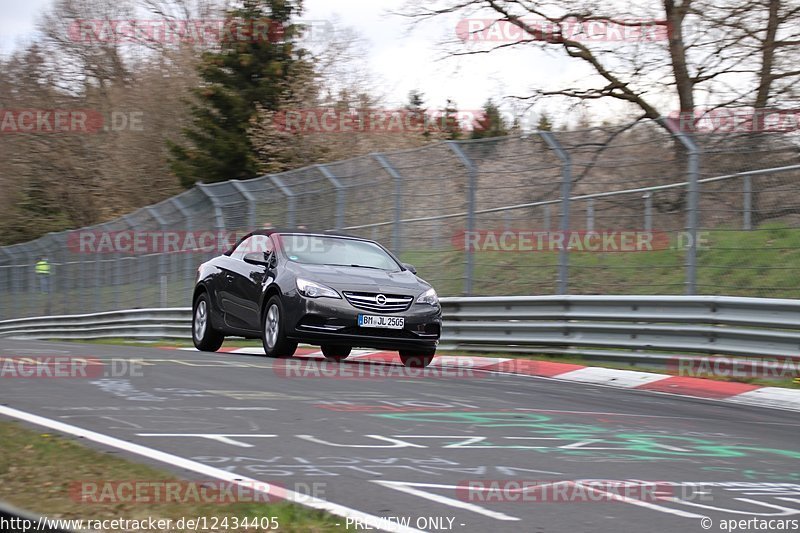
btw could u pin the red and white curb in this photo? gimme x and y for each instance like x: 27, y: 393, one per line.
x: 741, y: 393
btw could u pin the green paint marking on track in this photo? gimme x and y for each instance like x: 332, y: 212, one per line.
x: 589, y: 439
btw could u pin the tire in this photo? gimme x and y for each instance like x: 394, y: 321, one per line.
x: 204, y: 336
x: 273, y: 329
x: 417, y: 358
x: 335, y: 352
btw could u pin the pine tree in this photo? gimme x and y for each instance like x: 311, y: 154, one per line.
x: 451, y: 127
x: 491, y: 123
x: 544, y: 123
x: 247, y: 71
x: 415, y: 108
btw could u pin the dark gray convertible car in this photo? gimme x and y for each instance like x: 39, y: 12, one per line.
x: 334, y: 291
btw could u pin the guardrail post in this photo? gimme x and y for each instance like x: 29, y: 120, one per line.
x: 648, y: 211
x: 397, y: 228
x: 566, y: 189
x: 472, y: 174
x: 291, y: 199
x: 325, y: 171
x: 748, y: 204
x: 692, y: 202
x: 251, y: 202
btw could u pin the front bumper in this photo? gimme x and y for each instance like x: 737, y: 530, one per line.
x: 334, y: 321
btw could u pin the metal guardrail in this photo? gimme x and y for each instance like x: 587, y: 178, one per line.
x: 598, y: 325
x: 593, y: 325
x: 167, y: 323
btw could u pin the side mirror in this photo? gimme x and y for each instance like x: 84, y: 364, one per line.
x: 410, y: 268
x: 257, y: 258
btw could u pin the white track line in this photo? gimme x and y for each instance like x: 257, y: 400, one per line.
x: 181, y: 462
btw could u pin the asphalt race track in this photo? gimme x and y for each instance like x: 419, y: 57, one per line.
x: 406, y: 447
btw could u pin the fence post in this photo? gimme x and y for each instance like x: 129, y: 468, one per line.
x: 748, y: 204
x: 692, y: 203
x: 33, y: 289
x: 566, y: 189
x: 648, y: 211
x: 291, y: 198
x: 162, y: 274
x: 397, y: 229
x: 219, y: 218
x: 590, y: 214
x: 98, y: 293
x: 187, y: 277
x: 7, y: 270
x: 472, y: 185
x: 547, y: 217
x: 139, y: 266
x: 325, y: 171
x: 57, y: 285
x: 251, y: 202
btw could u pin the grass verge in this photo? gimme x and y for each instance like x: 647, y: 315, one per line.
x: 38, y: 471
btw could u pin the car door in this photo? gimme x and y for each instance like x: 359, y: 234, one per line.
x: 246, y: 283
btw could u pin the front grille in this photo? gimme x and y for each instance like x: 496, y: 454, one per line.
x: 378, y: 332
x: 368, y: 301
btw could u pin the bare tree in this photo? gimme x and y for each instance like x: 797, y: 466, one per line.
x: 656, y: 57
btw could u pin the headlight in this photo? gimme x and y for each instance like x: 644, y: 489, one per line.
x: 315, y: 290
x: 428, y: 297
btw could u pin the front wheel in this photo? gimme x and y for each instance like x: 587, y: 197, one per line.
x: 417, y: 358
x: 275, y: 342
x: 335, y: 353
x: 204, y: 336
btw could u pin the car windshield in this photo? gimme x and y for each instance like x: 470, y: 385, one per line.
x: 337, y: 251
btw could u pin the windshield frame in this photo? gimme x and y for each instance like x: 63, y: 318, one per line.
x: 280, y: 248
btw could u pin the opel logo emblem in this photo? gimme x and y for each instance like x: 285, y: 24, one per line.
x: 381, y: 299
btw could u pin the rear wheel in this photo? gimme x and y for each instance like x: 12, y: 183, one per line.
x: 417, y: 358
x: 272, y: 335
x: 335, y: 352
x: 204, y: 336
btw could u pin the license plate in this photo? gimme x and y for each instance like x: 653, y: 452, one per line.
x: 375, y: 321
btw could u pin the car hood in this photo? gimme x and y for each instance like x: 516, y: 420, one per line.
x: 346, y: 278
